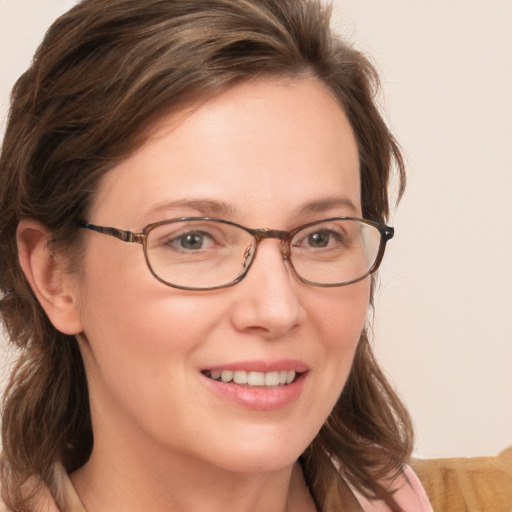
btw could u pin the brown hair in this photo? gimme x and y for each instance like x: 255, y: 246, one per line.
x: 104, y: 73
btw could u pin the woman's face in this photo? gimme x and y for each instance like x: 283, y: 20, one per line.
x: 266, y: 154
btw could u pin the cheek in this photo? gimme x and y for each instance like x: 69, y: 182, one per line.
x: 340, y: 322
x: 122, y: 302
x: 342, y: 314
x: 133, y: 324
x: 142, y: 341
x: 141, y: 333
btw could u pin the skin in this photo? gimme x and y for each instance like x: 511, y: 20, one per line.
x: 266, y: 149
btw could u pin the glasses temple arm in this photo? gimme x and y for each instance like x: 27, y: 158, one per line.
x: 125, y: 236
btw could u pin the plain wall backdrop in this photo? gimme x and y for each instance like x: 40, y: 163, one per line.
x: 443, y: 326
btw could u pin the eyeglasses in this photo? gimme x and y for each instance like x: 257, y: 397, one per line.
x: 202, y: 253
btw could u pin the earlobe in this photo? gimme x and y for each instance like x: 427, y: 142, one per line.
x: 47, y: 276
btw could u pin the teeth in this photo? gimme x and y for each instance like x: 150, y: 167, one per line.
x: 226, y: 376
x: 272, y: 379
x: 256, y: 379
x: 269, y: 379
x: 240, y: 377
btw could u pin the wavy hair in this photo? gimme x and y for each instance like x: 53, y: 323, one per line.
x: 105, y: 72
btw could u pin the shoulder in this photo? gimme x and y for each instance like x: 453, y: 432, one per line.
x: 477, y: 483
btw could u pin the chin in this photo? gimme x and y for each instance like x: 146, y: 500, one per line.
x: 264, y: 453
x: 258, y: 462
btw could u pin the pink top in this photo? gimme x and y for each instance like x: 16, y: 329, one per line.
x: 411, y: 496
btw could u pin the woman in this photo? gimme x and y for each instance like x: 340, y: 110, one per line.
x: 194, y: 196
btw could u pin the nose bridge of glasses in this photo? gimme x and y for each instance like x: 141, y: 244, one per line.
x: 283, y: 236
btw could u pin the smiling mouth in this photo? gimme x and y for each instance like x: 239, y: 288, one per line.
x: 254, y: 379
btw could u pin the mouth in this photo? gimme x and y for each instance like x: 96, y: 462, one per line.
x: 258, y: 385
x: 254, y: 379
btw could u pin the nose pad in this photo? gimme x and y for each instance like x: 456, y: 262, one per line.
x: 248, y: 256
x: 287, y: 258
x: 285, y: 251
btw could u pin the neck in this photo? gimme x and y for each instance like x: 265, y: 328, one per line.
x: 154, y: 482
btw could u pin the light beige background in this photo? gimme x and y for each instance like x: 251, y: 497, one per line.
x: 443, y: 328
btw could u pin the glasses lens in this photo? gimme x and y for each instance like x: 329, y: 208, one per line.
x: 335, y: 252
x: 198, y: 254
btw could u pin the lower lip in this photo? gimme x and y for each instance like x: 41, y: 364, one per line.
x: 259, y: 398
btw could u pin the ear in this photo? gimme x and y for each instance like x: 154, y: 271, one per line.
x: 47, y: 276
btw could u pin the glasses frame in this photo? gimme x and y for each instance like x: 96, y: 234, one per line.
x: 386, y: 232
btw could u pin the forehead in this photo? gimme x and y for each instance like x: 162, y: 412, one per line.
x: 261, y: 144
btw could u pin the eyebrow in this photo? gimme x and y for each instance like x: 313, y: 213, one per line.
x: 206, y: 207
x: 323, y: 205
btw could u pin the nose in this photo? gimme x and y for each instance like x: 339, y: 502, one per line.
x: 267, y: 299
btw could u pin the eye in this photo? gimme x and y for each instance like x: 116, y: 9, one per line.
x: 319, y: 238
x: 191, y: 238
x: 192, y: 241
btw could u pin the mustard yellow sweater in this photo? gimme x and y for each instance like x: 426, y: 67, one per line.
x: 478, y: 484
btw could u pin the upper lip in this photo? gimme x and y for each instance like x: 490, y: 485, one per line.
x: 261, y: 366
